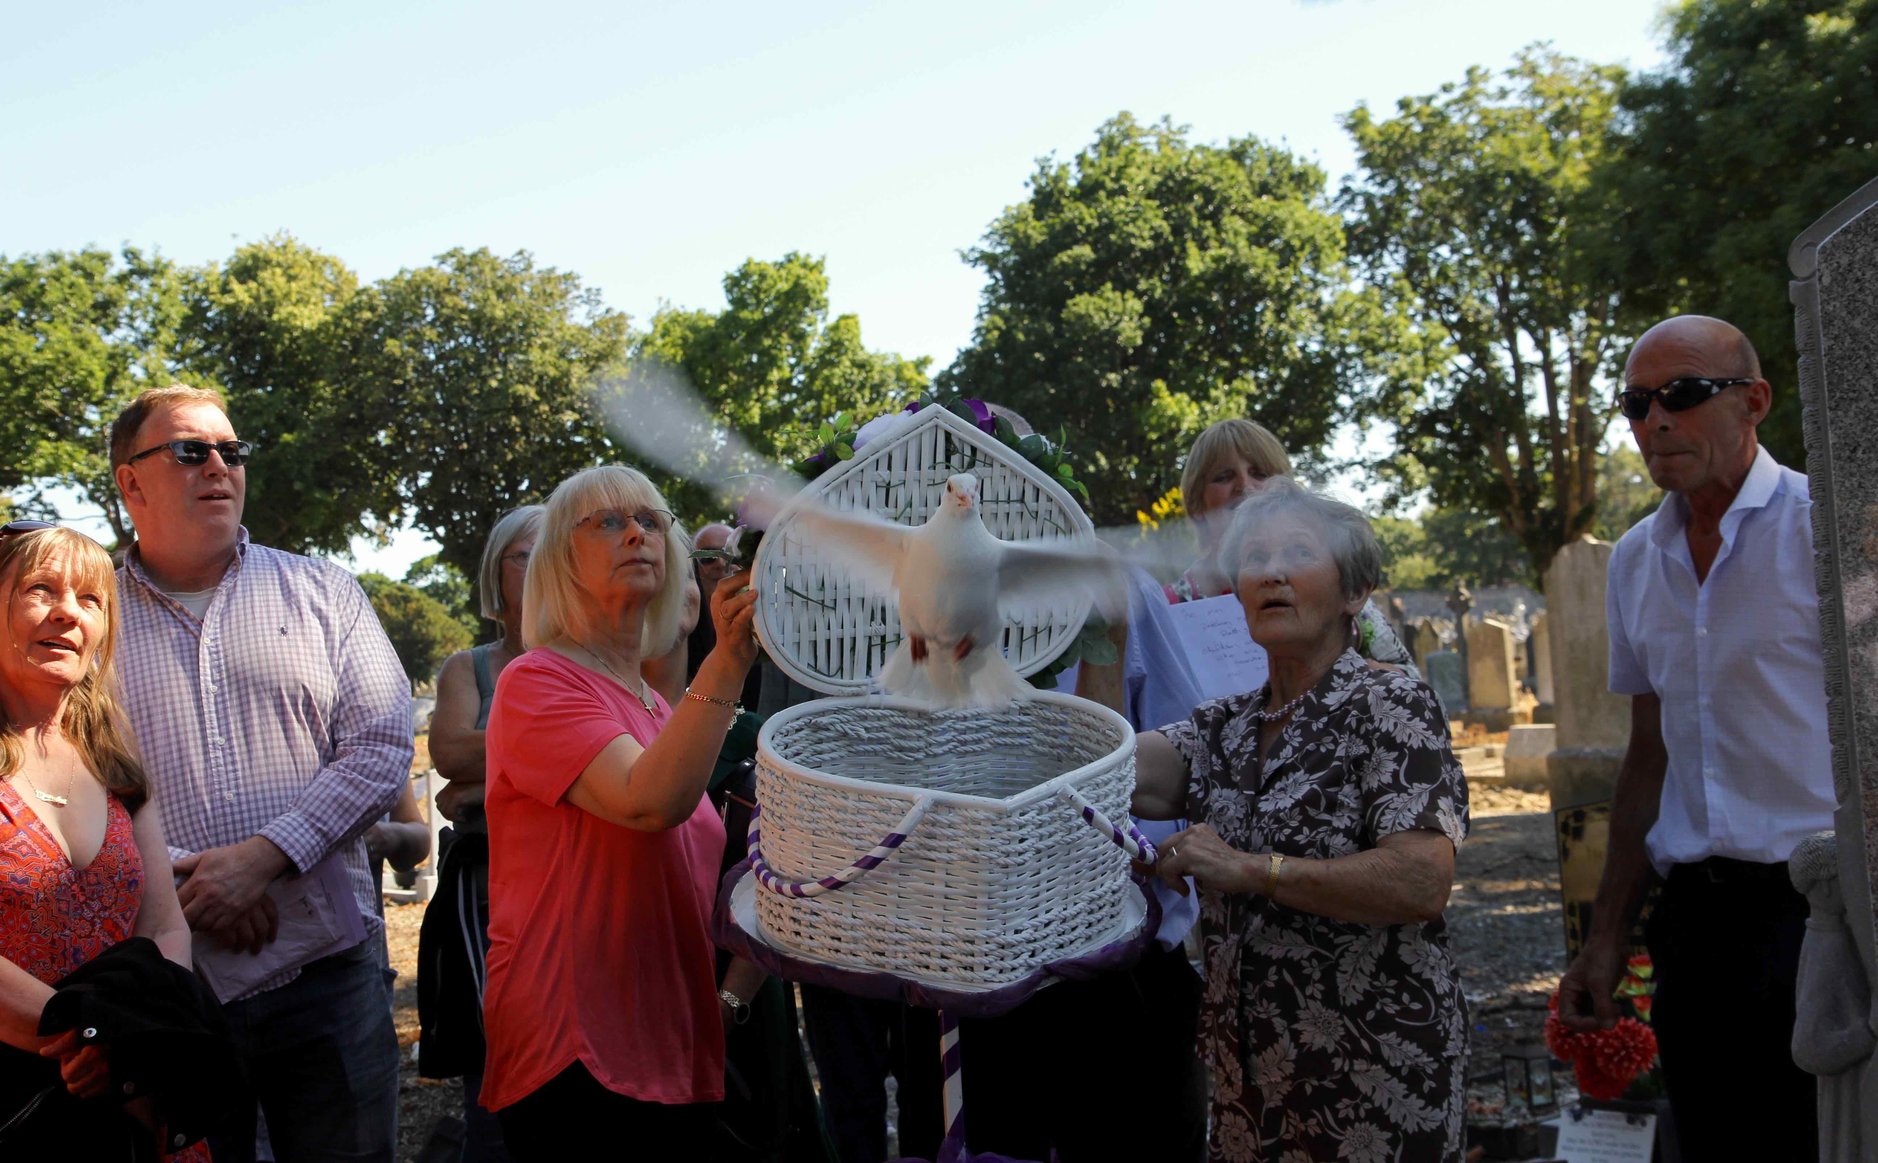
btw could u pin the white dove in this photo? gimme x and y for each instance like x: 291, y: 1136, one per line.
x: 951, y: 575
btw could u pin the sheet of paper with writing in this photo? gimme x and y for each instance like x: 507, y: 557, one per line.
x: 318, y: 917
x: 1605, y: 1137
x: 1213, y: 637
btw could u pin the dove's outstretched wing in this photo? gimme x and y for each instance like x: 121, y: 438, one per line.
x: 870, y: 547
x: 1032, y: 574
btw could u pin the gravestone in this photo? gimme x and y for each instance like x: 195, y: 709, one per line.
x: 1540, y: 646
x: 1443, y: 672
x: 1593, y: 724
x: 1425, y: 641
x: 1492, y: 676
x: 1835, y: 300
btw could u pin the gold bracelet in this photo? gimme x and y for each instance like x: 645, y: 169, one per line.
x: 734, y: 706
x: 1272, y: 866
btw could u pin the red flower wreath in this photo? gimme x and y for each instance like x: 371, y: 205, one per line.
x: 1605, y: 1061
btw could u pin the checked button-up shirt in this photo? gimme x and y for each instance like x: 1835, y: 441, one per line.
x: 282, y: 713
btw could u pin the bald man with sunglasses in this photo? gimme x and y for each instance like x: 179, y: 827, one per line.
x: 1714, y: 634
x: 275, y: 722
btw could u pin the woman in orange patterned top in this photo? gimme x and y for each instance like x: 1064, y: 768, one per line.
x: 82, y: 861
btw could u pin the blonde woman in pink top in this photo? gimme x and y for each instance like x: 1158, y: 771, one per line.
x: 602, y: 1013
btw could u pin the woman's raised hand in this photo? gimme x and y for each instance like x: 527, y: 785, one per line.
x: 733, y: 615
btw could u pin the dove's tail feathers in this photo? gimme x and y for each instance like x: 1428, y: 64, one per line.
x: 903, y: 676
x: 981, y: 679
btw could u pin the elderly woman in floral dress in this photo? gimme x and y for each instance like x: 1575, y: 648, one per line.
x: 1327, y: 809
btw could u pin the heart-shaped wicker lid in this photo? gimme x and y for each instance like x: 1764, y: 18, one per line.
x: 830, y: 630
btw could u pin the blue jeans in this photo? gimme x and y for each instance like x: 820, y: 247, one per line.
x: 323, y: 1058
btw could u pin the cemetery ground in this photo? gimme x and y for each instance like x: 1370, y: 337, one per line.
x: 1503, y: 919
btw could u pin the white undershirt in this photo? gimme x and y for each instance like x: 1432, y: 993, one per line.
x: 195, y: 601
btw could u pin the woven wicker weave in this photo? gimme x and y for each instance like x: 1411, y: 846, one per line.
x: 829, y: 630
x: 1001, y: 874
x: 1000, y: 877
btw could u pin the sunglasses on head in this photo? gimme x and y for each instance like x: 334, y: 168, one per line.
x: 1678, y: 395
x: 235, y: 453
x: 14, y: 528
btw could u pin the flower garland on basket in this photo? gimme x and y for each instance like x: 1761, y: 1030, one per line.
x: 836, y: 440
x: 1618, y: 1062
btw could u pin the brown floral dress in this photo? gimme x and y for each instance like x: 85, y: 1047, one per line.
x: 1328, y: 1040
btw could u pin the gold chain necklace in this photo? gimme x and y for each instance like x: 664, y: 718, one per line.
x: 639, y: 694
x: 48, y: 797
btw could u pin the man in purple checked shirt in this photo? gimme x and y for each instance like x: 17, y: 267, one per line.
x: 275, y: 723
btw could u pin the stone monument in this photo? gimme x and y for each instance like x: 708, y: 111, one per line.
x: 1593, y: 724
x: 1492, y: 675
x: 1446, y: 673
x: 1540, y: 646
x: 1835, y: 301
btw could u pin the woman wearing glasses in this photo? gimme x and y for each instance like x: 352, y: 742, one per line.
x: 602, y: 1013
x: 454, y: 947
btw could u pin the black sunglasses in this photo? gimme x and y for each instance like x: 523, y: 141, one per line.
x: 1678, y: 395
x: 14, y: 528
x: 235, y: 453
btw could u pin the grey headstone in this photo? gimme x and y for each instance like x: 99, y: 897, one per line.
x: 1426, y: 639
x: 1443, y: 672
x: 1835, y: 300
x: 1540, y: 648
x: 1492, y: 676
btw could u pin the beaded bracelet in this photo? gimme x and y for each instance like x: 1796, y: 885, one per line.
x: 732, y: 704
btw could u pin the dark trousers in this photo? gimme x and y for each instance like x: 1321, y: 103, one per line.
x: 573, y: 1117
x: 1094, y: 1070
x: 857, y: 1043
x: 323, y: 1057
x: 1725, y: 940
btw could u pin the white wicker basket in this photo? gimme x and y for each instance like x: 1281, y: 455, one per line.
x: 960, y: 848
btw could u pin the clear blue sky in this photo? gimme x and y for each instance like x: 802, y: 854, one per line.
x: 652, y: 148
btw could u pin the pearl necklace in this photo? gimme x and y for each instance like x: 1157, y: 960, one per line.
x: 639, y: 694
x: 1283, y: 712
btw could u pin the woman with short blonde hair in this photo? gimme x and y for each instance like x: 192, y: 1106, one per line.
x: 602, y: 1012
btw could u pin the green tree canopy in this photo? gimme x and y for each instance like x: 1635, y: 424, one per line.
x: 1152, y: 285
x: 80, y: 333
x: 1766, y: 118
x: 1443, y: 546
x: 772, y: 365
x: 421, y: 630
x: 450, y: 588
x: 1469, y: 215
x: 274, y: 327
x: 488, y: 363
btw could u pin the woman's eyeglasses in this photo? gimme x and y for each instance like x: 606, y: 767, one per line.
x: 1678, y: 395
x: 235, y: 453
x: 612, y: 522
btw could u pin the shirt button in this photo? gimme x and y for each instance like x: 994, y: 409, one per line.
x: 228, y: 797
x: 1701, y: 631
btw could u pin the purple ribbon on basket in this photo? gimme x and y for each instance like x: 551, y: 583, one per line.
x: 1129, y: 839
x: 890, y: 843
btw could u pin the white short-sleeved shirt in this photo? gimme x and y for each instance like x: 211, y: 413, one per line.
x: 1736, y: 664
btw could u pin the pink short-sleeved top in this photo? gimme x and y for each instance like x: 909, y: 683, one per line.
x: 599, y: 935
